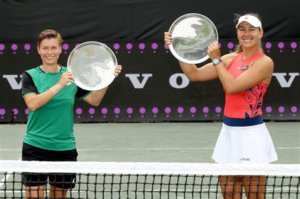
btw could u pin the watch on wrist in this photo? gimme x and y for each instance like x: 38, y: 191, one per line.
x: 216, y: 61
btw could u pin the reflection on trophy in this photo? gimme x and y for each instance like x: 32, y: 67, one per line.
x: 92, y: 64
x: 191, y: 35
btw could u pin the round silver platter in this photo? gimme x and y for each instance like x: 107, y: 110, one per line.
x: 92, y: 65
x: 191, y: 35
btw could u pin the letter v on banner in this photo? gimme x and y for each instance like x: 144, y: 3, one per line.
x: 12, y: 81
x: 282, y: 80
x: 134, y: 79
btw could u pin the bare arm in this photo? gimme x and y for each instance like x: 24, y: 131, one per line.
x: 95, y: 97
x: 260, y: 70
x: 35, y: 101
x: 204, y: 73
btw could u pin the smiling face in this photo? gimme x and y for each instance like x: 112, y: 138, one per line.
x: 249, y: 36
x: 49, y: 49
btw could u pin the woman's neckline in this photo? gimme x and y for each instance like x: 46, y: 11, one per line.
x: 44, y: 70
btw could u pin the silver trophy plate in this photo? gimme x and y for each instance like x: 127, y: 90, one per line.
x: 191, y: 35
x: 92, y: 65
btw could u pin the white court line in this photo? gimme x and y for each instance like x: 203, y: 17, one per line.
x: 154, y: 149
x: 165, y: 149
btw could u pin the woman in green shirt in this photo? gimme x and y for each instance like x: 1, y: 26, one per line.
x: 49, y: 94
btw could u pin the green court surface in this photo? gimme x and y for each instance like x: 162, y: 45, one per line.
x: 153, y: 142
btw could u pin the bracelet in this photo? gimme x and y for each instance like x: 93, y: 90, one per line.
x: 216, y: 61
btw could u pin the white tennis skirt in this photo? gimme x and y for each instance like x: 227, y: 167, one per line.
x: 250, y: 144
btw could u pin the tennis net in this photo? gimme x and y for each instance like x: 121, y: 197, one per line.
x: 155, y: 180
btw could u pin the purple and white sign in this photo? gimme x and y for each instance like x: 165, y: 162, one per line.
x: 152, y: 88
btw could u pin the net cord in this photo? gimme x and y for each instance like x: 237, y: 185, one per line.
x: 151, y: 168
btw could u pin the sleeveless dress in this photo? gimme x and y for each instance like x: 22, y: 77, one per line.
x: 244, y: 137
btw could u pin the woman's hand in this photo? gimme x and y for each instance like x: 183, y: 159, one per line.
x: 168, y: 38
x: 118, y: 70
x: 213, y: 51
x: 66, y: 78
